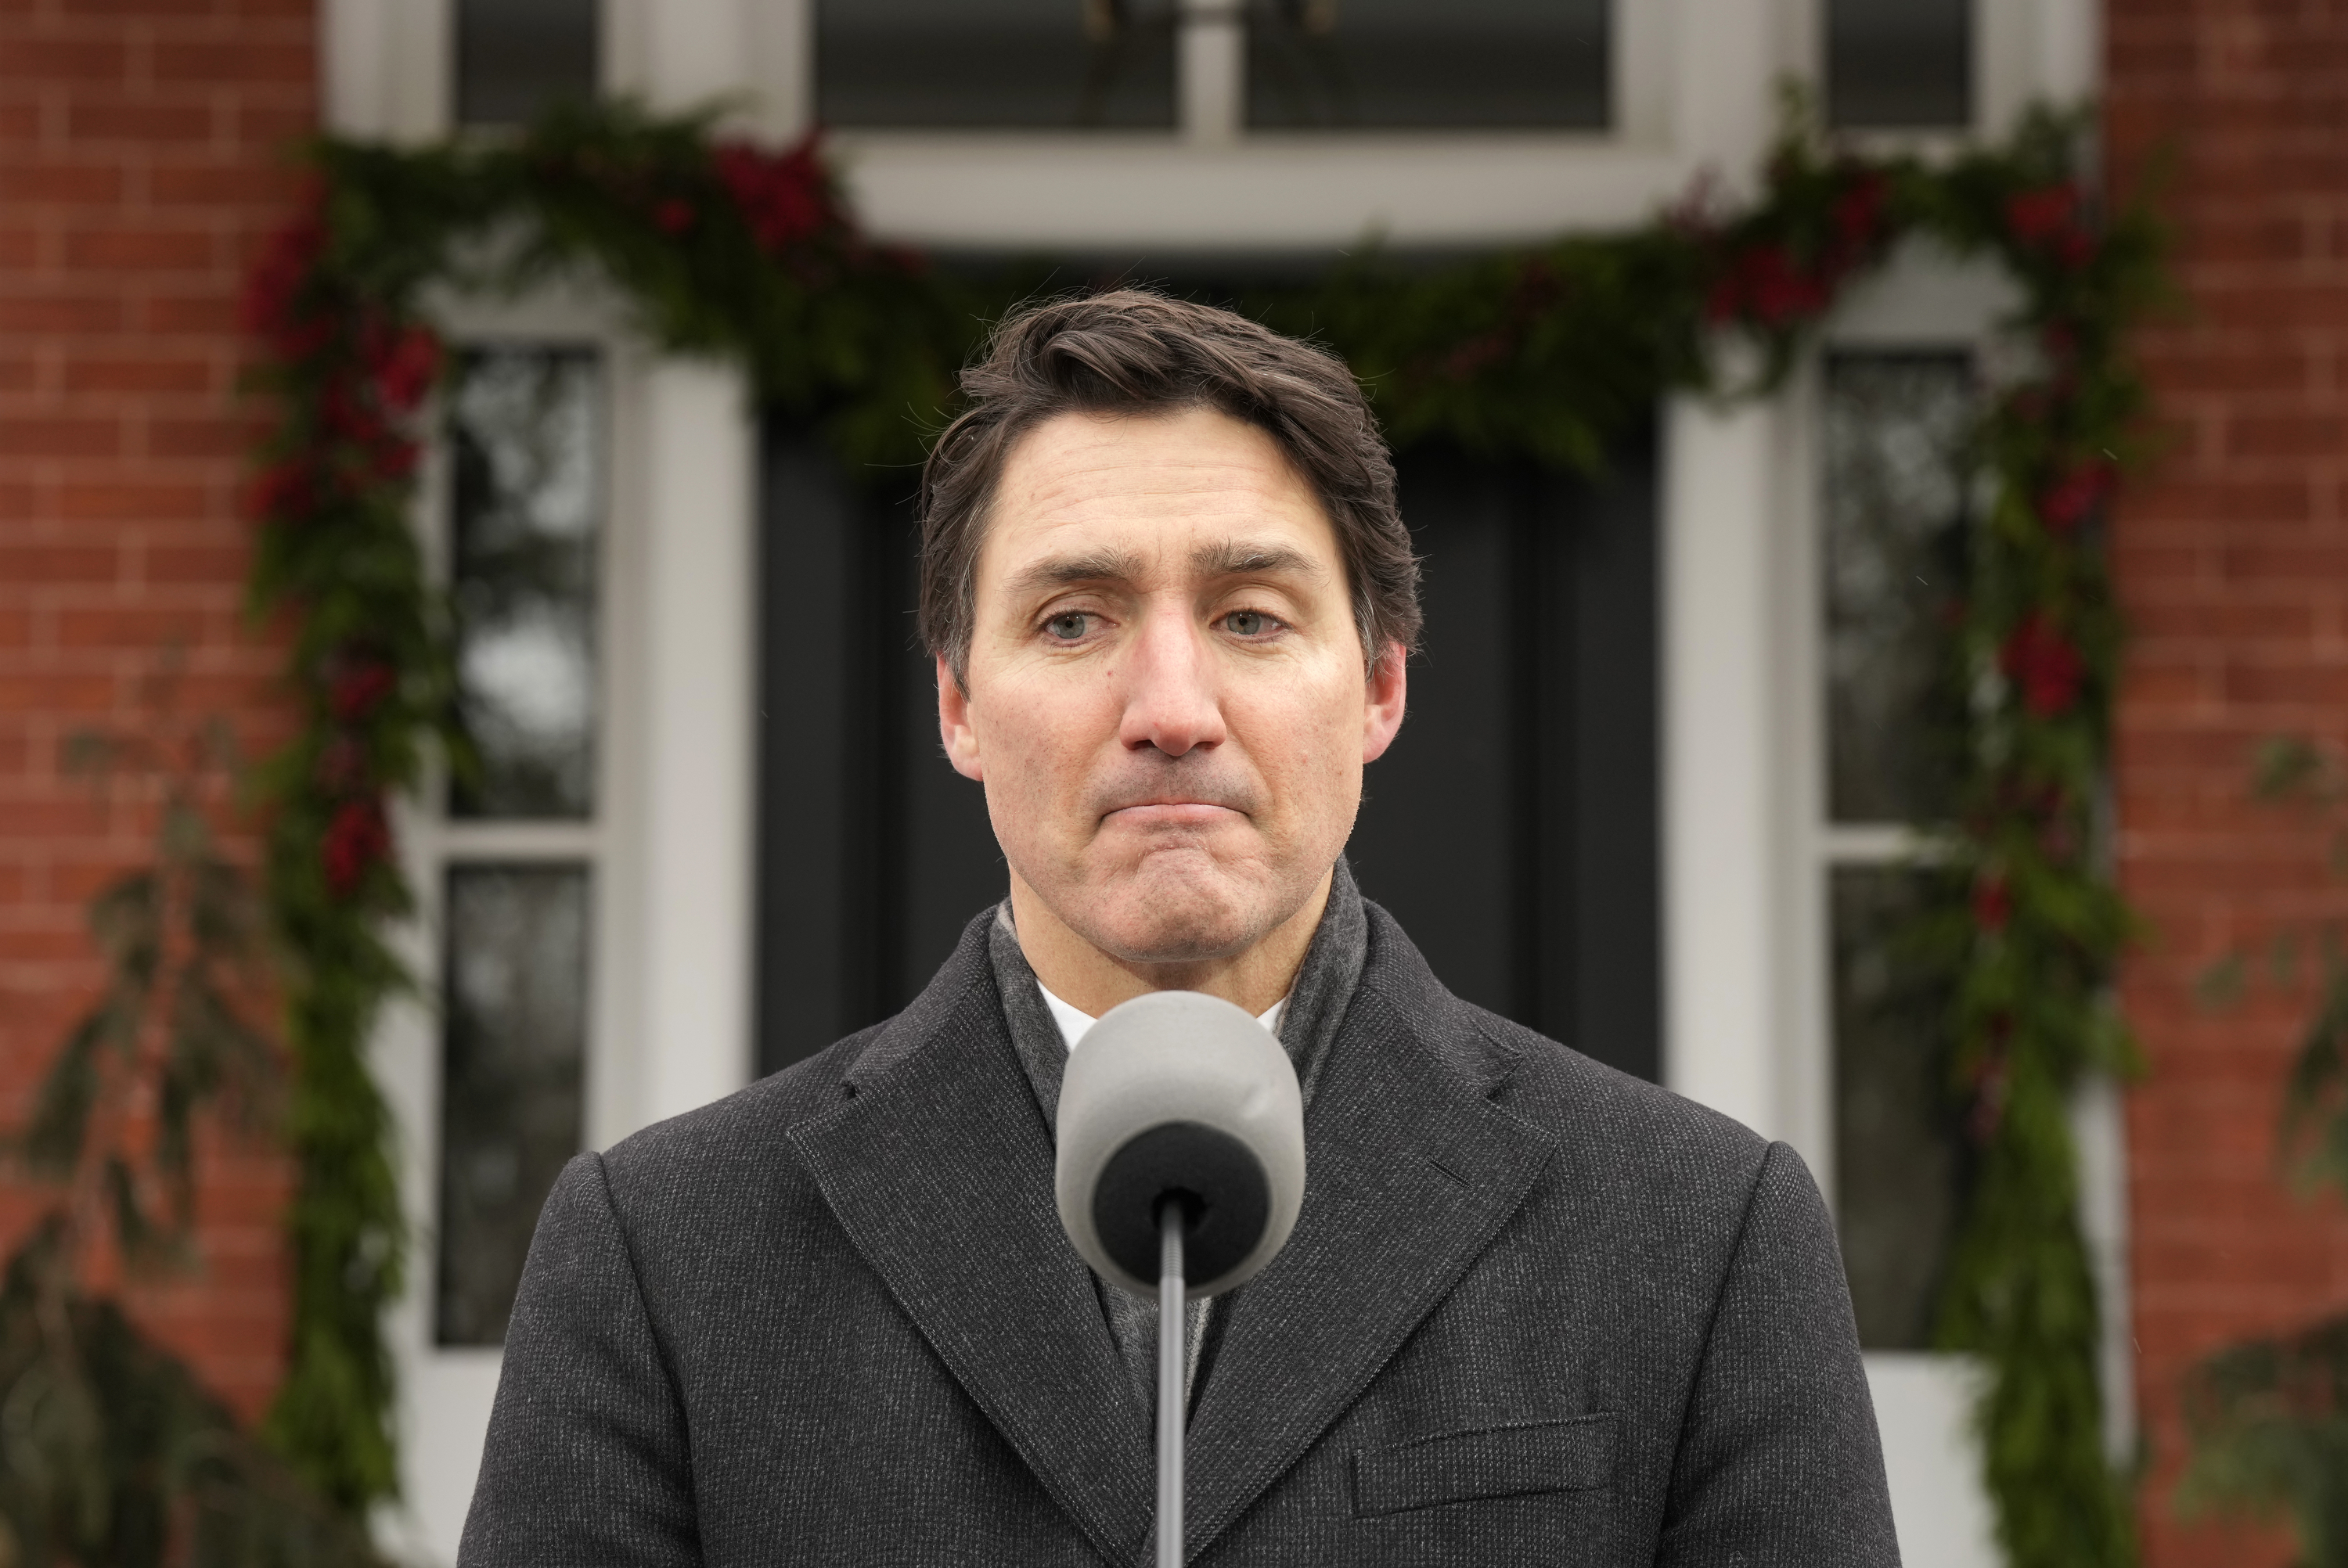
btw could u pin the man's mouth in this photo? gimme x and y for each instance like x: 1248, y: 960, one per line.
x: 1171, y: 813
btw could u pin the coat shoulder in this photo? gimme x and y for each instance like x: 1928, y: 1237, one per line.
x: 714, y: 1150
x: 1553, y: 1079
x: 1615, y: 1131
x: 1620, y: 1130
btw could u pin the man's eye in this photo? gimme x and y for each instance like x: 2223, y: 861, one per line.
x: 1069, y: 625
x: 1249, y: 622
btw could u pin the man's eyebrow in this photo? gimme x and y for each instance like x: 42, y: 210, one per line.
x: 1237, y: 557
x: 1059, y: 571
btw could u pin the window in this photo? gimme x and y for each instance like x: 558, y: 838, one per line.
x: 999, y: 64
x: 1900, y: 64
x: 1340, y: 65
x: 1894, y: 490
x: 525, y: 505
x: 514, y: 58
x: 525, y: 517
x: 1408, y: 65
x: 512, y: 1079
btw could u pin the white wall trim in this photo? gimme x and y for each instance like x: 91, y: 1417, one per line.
x: 698, y: 766
x: 384, y: 67
x: 1721, y: 966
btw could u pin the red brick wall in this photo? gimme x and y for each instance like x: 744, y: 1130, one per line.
x: 2233, y: 564
x: 142, y: 156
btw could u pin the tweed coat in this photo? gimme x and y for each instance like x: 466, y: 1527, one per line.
x: 1534, y: 1311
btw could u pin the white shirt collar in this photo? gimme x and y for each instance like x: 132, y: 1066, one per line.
x: 1074, y: 1023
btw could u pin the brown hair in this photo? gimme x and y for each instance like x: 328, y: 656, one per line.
x: 1136, y: 352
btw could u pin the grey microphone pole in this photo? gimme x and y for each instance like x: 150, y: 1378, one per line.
x: 1182, y: 1167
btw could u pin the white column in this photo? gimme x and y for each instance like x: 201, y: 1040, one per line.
x: 1730, y: 54
x: 694, y: 51
x: 2100, y: 1127
x: 1213, y: 66
x: 1721, y: 1002
x: 383, y: 68
x: 1931, y: 1458
x: 698, y: 698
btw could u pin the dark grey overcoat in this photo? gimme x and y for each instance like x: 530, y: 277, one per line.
x: 1535, y: 1311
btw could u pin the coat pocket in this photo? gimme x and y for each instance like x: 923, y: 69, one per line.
x: 1512, y: 1460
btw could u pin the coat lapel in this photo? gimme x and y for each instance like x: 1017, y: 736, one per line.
x: 1410, y: 1169
x: 939, y: 1168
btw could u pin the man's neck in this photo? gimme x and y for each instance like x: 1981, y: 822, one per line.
x: 1092, y: 981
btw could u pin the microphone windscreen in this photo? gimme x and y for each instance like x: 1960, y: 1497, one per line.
x: 1180, y: 1096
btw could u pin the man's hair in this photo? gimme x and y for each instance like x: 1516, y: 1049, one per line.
x: 1134, y: 352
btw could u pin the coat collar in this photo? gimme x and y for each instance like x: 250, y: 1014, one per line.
x: 1410, y: 1169
x: 939, y: 1167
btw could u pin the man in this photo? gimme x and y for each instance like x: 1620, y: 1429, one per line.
x: 1533, y: 1310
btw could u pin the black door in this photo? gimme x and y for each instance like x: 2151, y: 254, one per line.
x: 1511, y: 828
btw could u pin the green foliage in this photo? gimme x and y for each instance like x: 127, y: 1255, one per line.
x: 1545, y: 353
x: 110, y: 1451
x: 2269, y: 1417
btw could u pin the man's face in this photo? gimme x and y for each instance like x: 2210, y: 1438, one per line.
x: 1164, y: 693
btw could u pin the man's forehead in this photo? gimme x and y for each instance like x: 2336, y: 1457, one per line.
x: 1124, y: 498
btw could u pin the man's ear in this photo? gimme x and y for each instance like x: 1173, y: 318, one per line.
x: 1381, y: 715
x: 954, y: 724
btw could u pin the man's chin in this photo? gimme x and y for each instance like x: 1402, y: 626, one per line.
x: 1161, y: 913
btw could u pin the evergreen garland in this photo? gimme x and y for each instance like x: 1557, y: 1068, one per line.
x: 725, y: 248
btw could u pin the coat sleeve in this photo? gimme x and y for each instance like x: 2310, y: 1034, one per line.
x: 1778, y: 1459
x: 587, y: 1459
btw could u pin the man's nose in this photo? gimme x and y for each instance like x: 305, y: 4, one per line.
x: 1172, y: 696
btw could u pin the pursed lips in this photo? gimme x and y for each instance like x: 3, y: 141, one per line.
x: 1172, y: 813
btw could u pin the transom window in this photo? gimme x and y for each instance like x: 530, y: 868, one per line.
x: 1899, y: 64
x: 1213, y: 68
x: 514, y: 58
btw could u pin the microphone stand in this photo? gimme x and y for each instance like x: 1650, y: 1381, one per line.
x: 1172, y: 1355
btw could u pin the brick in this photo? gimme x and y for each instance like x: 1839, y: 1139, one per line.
x: 271, y: 126
x: 2284, y: 435
x: 79, y: 183
x: 25, y: 564
x: 197, y: 563
x: 213, y: 311
x: 60, y: 437
x: 149, y: 248
x: 156, y: 627
x: 114, y: 118
x: 119, y: 501
x: 216, y: 184
x: 96, y: 59
x: 219, y: 435
x: 151, y: 371
x: 254, y: 56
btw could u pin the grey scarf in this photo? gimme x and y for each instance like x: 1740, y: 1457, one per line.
x: 1308, y: 1025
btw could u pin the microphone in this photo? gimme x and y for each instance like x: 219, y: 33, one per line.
x: 1180, y: 1174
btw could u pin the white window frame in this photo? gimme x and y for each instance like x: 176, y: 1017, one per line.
x: 1923, y: 1399
x: 669, y: 845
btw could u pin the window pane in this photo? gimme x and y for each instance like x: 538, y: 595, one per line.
x: 514, y: 1043
x: 516, y: 56
x: 1005, y: 63
x: 1898, y: 428
x: 1400, y: 64
x: 1900, y: 63
x: 526, y: 427
x: 1899, y: 1155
